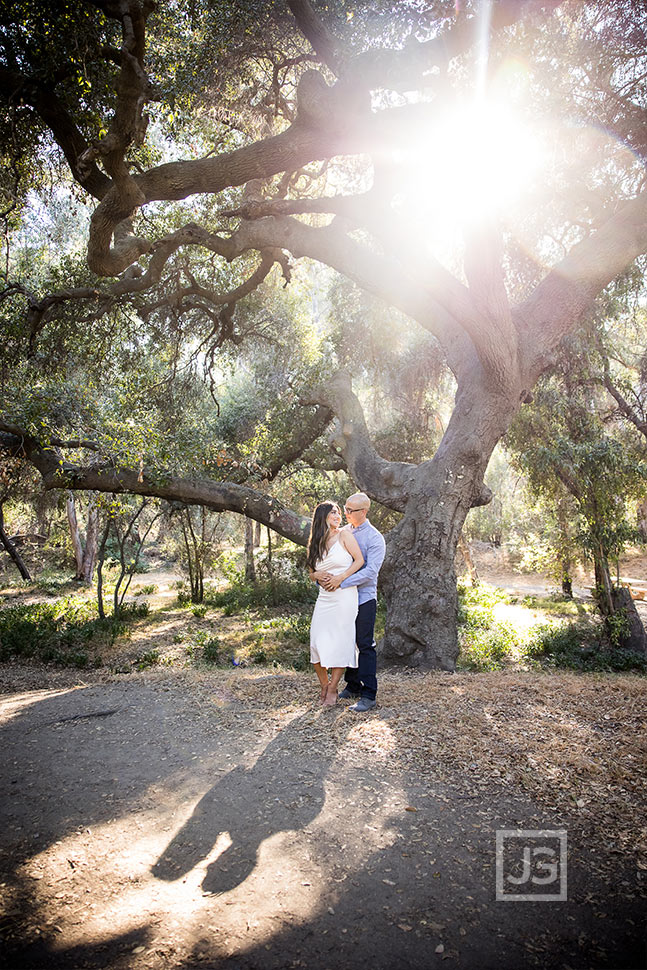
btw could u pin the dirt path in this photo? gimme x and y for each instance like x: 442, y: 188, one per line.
x: 224, y: 821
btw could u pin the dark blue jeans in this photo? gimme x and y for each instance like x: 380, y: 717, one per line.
x: 363, y: 679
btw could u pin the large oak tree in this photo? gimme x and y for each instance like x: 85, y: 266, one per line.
x: 317, y: 129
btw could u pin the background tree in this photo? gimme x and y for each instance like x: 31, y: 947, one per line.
x: 10, y: 472
x: 562, y: 444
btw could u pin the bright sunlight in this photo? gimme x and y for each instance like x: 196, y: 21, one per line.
x: 479, y: 158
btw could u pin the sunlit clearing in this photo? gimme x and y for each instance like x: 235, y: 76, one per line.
x: 475, y: 162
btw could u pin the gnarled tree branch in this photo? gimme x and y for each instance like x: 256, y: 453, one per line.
x: 388, y: 482
x: 572, y: 285
x: 56, y: 472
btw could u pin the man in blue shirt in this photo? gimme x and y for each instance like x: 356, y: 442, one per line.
x: 361, y: 681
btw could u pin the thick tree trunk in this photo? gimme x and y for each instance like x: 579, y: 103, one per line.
x: 613, y: 600
x: 11, y: 549
x: 70, y: 508
x: 418, y: 577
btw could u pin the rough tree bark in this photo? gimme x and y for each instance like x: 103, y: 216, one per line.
x: 472, y: 571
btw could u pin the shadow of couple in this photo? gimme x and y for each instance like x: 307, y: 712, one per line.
x: 284, y: 790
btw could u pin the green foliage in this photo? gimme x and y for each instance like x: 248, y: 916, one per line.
x: 485, y: 643
x: 580, y: 646
x: 282, y: 581
x: 63, y: 632
x: 295, y: 626
x: 212, y: 651
x: 241, y: 595
x: 147, y: 659
x: 557, y: 605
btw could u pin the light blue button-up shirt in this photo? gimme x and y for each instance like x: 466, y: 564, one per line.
x: 373, y: 548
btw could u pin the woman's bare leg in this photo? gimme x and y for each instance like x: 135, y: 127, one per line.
x: 331, y: 693
x: 322, y: 675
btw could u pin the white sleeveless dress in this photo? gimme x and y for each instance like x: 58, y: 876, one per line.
x: 332, y: 631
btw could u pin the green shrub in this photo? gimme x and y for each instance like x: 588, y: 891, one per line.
x: 58, y: 632
x: 147, y: 659
x: 485, y: 644
x: 240, y: 595
x: 487, y: 647
x: 298, y: 627
x: 302, y: 661
x: 559, y: 605
x: 212, y: 651
x: 199, y: 610
x: 580, y: 646
x: 147, y: 590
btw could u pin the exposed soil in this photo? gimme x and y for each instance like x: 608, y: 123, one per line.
x: 179, y: 819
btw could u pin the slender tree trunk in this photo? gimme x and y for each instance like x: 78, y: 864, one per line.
x: 91, y: 538
x: 11, y: 549
x: 257, y: 534
x: 250, y: 571
x: 197, y: 588
x: 70, y: 507
x: 101, y: 553
x: 603, y: 584
x: 565, y: 561
x: 418, y: 577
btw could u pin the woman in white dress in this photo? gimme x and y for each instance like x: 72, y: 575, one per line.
x: 335, y: 551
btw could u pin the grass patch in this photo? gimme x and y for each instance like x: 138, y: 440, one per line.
x: 240, y: 595
x: 557, y: 605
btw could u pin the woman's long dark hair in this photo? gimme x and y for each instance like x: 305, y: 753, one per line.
x: 319, y: 533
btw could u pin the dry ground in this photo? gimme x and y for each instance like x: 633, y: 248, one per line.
x: 177, y: 819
